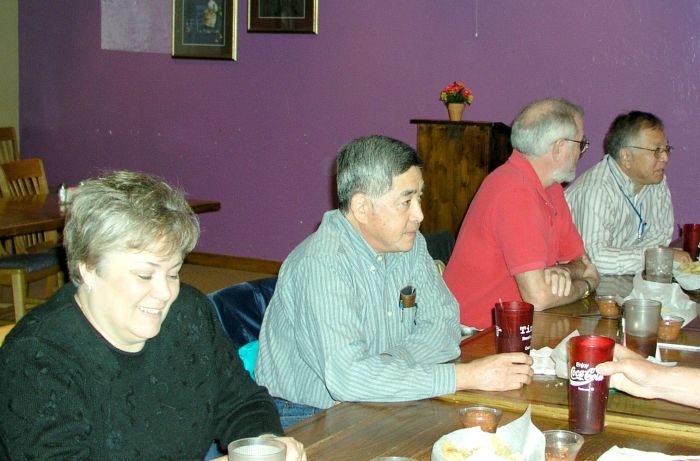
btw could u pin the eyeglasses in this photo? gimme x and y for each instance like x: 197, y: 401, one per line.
x: 583, y: 143
x: 667, y: 149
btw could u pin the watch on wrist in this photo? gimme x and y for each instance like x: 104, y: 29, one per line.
x: 589, y: 288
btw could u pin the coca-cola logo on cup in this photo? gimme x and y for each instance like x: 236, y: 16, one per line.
x: 582, y: 373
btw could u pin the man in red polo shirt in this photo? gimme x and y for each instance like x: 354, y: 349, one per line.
x: 518, y: 241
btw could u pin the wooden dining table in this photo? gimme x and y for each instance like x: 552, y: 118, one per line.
x: 43, y: 213
x: 362, y: 431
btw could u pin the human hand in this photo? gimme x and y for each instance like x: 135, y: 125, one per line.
x: 630, y: 372
x: 590, y: 272
x: 295, y: 450
x: 681, y: 256
x: 558, y: 279
x: 500, y: 372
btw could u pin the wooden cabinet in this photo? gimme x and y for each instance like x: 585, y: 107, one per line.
x: 457, y: 156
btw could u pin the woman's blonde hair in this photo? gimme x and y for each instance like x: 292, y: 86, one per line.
x: 125, y: 210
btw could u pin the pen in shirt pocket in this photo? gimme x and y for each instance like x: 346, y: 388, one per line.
x: 407, y: 300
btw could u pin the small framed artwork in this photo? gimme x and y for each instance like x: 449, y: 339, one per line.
x: 204, y: 29
x: 291, y: 16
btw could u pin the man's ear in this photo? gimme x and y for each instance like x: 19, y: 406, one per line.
x: 558, y: 149
x: 360, y: 207
x: 625, y: 157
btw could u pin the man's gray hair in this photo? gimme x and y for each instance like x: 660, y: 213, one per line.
x: 625, y: 129
x: 123, y: 211
x: 369, y: 165
x: 541, y: 123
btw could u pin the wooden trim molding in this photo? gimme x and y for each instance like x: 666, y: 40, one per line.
x: 234, y: 262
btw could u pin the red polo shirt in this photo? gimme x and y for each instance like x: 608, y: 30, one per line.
x: 513, y: 225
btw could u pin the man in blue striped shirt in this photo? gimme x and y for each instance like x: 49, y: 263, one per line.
x: 337, y: 328
x: 622, y: 205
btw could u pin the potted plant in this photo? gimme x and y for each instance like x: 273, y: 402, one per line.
x: 456, y: 96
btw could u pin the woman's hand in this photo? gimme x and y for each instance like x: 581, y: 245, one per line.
x: 295, y: 450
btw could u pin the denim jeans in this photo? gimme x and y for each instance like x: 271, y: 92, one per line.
x: 292, y: 413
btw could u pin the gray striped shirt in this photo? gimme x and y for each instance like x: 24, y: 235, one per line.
x: 334, y: 331
x: 608, y: 214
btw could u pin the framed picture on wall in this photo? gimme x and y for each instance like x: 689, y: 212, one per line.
x: 291, y: 16
x: 204, y: 29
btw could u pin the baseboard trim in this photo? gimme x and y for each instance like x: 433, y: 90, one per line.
x: 234, y: 262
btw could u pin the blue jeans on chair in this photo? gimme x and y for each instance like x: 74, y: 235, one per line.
x: 292, y: 413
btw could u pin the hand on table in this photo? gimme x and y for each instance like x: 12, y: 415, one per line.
x: 558, y: 279
x: 295, y: 450
x: 500, y: 372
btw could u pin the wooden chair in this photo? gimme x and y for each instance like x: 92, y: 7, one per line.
x: 31, y: 261
x: 4, y: 331
x: 19, y: 270
x: 25, y: 178
x: 9, y: 152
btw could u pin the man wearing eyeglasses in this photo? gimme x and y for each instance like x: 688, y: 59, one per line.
x: 518, y: 241
x: 622, y: 205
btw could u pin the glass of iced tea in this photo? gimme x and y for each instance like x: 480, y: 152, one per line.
x: 642, y: 318
x: 513, y: 326
x: 588, y: 390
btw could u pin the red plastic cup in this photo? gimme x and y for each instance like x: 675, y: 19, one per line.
x: 691, y: 240
x: 588, y: 390
x: 513, y: 326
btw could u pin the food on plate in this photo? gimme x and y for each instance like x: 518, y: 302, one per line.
x: 487, y: 448
x: 690, y: 268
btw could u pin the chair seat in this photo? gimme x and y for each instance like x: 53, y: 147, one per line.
x: 33, y: 262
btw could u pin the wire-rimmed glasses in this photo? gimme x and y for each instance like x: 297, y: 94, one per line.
x: 667, y: 149
x: 583, y: 143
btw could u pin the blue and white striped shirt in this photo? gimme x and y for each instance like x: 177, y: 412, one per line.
x: 334, y: 331
x: 616, y: 224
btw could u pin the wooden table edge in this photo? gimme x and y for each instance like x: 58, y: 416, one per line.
x: 613, y: 420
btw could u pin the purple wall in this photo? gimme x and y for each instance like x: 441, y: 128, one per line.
x: 260, y: 134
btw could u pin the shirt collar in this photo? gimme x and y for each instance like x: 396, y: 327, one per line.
x: 620, y: 177
x: 355, y: 239
x: 518, y: 160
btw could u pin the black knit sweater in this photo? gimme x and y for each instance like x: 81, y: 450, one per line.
x: 65, y: 393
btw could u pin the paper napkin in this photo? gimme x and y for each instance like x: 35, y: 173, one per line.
x: 673, y: 300
x: 548, y: 361
x: 520, y: 435
x: 628, y: 454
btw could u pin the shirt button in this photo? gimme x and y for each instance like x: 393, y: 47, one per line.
x: 380, y: 257
x: 372, y: 268
x: 389, y: 313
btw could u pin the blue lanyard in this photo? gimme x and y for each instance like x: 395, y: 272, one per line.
x: 642, y: 225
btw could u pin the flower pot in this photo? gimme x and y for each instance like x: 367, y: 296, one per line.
x: 455, y: 111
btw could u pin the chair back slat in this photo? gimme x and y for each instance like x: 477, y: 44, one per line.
x: 9, y: 151
x: 25, y: 177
